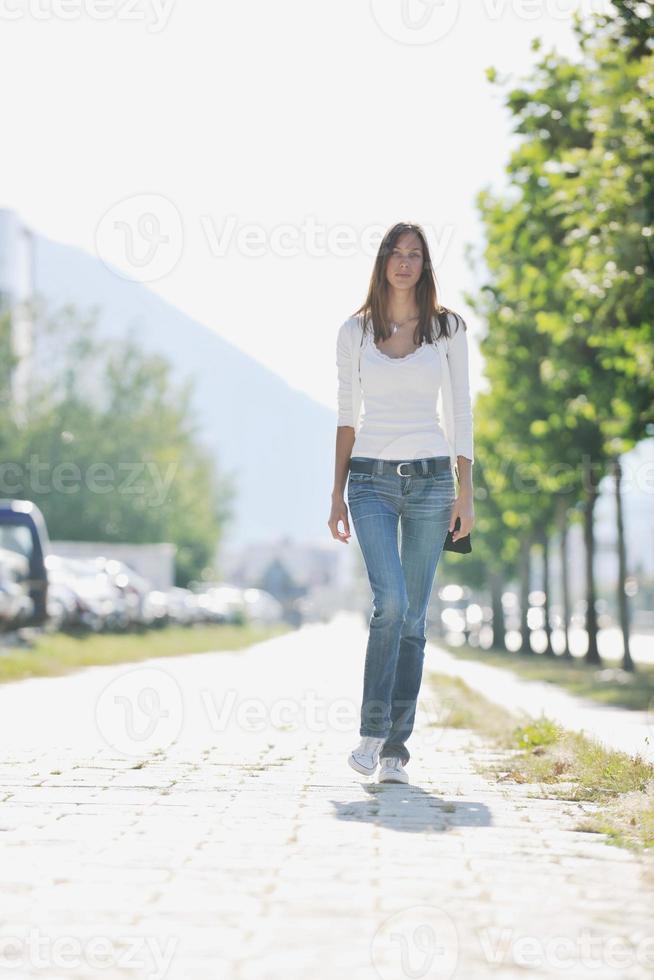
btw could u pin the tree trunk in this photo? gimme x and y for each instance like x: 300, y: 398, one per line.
x: 565, y: 582
x: 525, y: 585
x: 623, y: 604
x: 499, y: 628
x: 549, y: 650
x: 592, y: 653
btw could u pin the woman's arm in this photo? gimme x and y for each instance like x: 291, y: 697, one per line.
x: 457, y: 350
x: 344, y: 443
x: 345, y: 435
x: 344, y: 372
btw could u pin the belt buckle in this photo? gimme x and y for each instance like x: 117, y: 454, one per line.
x: 398, y: 469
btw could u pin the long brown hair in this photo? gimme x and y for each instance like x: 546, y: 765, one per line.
x: 433, y: 321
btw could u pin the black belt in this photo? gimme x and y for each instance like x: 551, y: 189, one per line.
x: 401, y: 467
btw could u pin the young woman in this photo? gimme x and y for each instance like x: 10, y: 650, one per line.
x: 391, y: 354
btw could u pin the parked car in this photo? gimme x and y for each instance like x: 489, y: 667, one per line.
x: 16, y: 605
x: 223, y: 604
x: 133, y: 589
x: 23, y: 532
x: 262, y: 606
x: 62, y: 603
x: 183, y: 606
x: 99, y: 605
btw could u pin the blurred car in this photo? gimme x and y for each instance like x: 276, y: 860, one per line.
x: 24, y: 534
x: 140, y: 609
x: 223, y: 604
x: 98, y: 603
x: 61, y: 605
x: 262, y: 606
x: 16, y: 605
x: 184, y: 607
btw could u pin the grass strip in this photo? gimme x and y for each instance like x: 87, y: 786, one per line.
x: 53, y: 654
x: 608, y: 684
x: 563, y: 764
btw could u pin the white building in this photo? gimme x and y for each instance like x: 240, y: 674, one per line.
x: 17, y: 290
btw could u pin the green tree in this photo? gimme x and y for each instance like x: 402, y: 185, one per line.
x: 568, y: 296
x: 117, y: 448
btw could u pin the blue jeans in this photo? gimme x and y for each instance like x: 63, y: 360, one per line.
x: 401, y: 579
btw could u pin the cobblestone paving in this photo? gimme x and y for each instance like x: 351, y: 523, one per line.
x: 239, y: 844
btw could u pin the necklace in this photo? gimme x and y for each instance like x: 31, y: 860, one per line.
x: 395, y: 326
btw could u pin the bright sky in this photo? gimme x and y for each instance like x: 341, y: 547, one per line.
x: 238, y: 157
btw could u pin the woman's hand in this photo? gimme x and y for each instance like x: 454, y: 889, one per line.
x: 339, y: 513
x: 462, y: 507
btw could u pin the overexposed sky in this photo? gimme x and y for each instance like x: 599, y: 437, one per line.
x: 238, y: 158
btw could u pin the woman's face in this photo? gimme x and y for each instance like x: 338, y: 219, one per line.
x: 404, y: 265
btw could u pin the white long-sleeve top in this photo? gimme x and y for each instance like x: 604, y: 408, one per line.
x: 405, y: 399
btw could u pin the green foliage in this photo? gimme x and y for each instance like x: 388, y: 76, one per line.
x: 7, y: 364
x: 109, y: 451
x: 567, y: 280
x: 543, y: 731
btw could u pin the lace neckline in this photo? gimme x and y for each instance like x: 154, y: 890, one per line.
x: 401, y: 360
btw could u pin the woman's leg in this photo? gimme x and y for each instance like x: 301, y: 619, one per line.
x: 424, y: 524
x: 375, y: 503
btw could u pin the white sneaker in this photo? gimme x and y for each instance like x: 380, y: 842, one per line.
x: 366, y: 756
x: 392, y: 770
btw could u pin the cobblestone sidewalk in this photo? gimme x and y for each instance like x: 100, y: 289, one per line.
x: 195, y: 817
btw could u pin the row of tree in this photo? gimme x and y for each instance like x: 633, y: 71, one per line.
x: 567, y: 291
